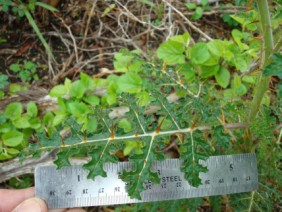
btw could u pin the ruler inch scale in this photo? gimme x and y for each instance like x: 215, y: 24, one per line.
x: 69, y: 187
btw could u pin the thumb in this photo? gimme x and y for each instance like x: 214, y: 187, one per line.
x: 32, y: 205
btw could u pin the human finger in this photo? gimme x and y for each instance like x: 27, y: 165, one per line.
x: 11, y: 198
x: 33, y: 204
x: 68, y: 210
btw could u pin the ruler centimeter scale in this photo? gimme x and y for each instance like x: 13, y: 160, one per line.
x: 69, y: 187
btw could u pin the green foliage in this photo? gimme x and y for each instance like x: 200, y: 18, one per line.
x: 196, y: 95
x: 25, y: 71
x: 16, y: 127
x: 21, y: 182
x: 3, y: 82
x: 198, y: 9
x: 193, y: 150
x: 275, y: 69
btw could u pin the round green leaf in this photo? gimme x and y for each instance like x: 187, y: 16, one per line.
x: 222, y: 77
x: 87, y: 81
x: 48, y: 119
x: 92, y: 124
x: 32, y: 109
x: 77, y: 89
x: 35, y: 123
x: 125, y: 125
x: 171, y: 52
x: 13, y: 151
x: 130, y: 82
x: 21, y: 122
x: 13, y: 110
x: 78, y: 109
x: 59, y: 118
x: 92, y: 100
x: 12, y: 138
x: 58, y: 91
x: 199, y: 53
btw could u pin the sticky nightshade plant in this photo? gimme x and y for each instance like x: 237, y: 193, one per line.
x: 198, y: 97
x: 156, y: 109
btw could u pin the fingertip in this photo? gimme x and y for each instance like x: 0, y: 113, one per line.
x: 76, y: 210
x: 32, y: 205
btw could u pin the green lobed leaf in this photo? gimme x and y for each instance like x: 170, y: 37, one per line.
x: 136, y: 178
x: 275, y: 67
x: 77, y: 89
x: 122, y: 60
x: 171, y: 52
x: 143, y: 98
x: 125, y: 125
x: 134, y: 147
x: 223, y: 139
x: 95, y: 165
x: 92, y: 124
x: 208, y: 71
x: 199, y: 53
x: 130, y: 83
x: 191, y: 152
x: 62, y: 160
x: 87, y: 81
x: 238, y: 36
x: 92, y: 100
x: 184, y: 39
x: 78, y: 109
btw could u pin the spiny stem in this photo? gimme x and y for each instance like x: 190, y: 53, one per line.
x: 267, y: 48
x: 146, y: 134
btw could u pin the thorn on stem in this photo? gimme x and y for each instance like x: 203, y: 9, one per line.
x: 63, y: 142
x: 137, y: 133
x: 84, y: 137
x: 164, y: 67
x: 112, y: 136
x: 195, y: 122
x: 159, y: 127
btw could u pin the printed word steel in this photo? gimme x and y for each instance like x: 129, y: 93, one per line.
x: 69, y: 187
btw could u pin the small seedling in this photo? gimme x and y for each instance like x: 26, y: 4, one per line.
x: 26, y: 71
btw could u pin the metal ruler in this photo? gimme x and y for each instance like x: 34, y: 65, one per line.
x: 69, y: 187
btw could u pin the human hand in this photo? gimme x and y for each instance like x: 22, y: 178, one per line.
x: 23, y: 200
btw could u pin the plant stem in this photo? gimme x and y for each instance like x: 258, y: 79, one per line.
x: 267, y: 48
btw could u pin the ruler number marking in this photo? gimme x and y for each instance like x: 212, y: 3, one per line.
x: 178, y: 185
x: 52, y: 193
x: 227, y: 174
x: 68, y: 192
x: 231, y: 166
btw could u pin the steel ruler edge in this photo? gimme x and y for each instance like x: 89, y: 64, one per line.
x: 69, y: 187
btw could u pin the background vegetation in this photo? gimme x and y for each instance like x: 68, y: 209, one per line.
x: 108, y: 81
